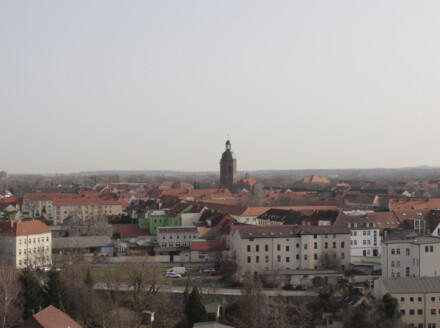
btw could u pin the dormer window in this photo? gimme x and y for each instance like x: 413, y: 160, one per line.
x: 348, y: 225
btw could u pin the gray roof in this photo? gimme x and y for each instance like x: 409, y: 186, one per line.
x: 416, y: 240
x: 81, y: 242
x: 408, y: 285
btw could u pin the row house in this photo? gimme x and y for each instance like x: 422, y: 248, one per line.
x: 85, y: 208
x: 261, y: 248
x: 413, y: 257
x: 25, y: 244
x: 176, y: 236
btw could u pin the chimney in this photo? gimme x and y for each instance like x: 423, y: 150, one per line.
x: 12, y: 224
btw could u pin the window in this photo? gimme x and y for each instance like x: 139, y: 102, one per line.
x: 257, y: 259
x: 393, y: 251
x: 19, y: 241
x: 248, y: 248
x: 305, y: 257
x: 287, y: 248
x: 334, y: 244
x: 315, y: 256
x: 407, y: 273
x: 278, y: 247
x: 407, y: 251
x: 305, y: 246
x: 257, y: 248
x: 433, y: 311
x: 297, y: 245
x: 432, y: 325
x: 411, y: 299
x: 278, y: 258
x: 398, y: 251
x: 432, y: 299
x: 19, y: 252
x: 398, y: 264
x: 297, y: 256
x: 419, y: 312
x: 326, y: 235
x: 315, y: 245
x: 393, y: 264
x: 431, y: 248
x: 411, y: 312
x: 287, y: 259
x: 342, y: 256
x: 266, y: 248
x: 419, y: 299
x: 325, y: 245
x: 334, y: 235
x: 315, y: 236
x: 342, y: 244
x: 426, y: 249
x: 248, y: 259
x: 402, y: 299
x: 266, y: 259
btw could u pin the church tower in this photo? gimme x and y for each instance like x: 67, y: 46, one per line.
x: 228, y: 167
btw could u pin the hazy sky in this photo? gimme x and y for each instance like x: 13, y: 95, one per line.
x: 106, y: 85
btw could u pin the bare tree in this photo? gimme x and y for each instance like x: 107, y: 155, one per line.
x: 10, y: 311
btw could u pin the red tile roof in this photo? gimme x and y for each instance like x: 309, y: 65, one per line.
x: 204, y: 245
x: 176, y: 229
x: 50, y: 317
x: 10, y: 228
x: 132, y: 230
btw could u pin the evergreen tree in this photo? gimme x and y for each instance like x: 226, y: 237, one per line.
x: 31, y: 292
x: 56, y: 292
x: 194, y: 309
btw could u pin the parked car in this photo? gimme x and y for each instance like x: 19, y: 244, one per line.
x: 173, y: 275
x: 209, y: 270
x: 178, y: 270
x: 214, y: 273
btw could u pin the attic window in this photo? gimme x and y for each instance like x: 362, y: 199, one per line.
x: 264, y: 234
x: 419, y: 214
x: 348, y: 225
x: 251, y: 233
x: 291, y: 232
x: 281, y: 233
x: 272, y: 233
x: 387, y: 222
x: 404, y: 214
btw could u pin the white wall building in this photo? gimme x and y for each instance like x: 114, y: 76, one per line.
x: 261, y: 248
x: 416, y: 257
x: 176, y: 236
x: 25, y: 244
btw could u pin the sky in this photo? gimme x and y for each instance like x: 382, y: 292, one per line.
x: 159, y: 85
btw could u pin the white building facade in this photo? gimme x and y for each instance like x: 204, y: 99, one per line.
x: 416, y: 257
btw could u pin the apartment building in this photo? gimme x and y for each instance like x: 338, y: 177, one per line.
x: 85, y: 207
x: 414, y: 257
x: 418, y: 299
x: 261, y: 248
x: 365, y: 237
x: 25, y: 244
x: 176, y: 236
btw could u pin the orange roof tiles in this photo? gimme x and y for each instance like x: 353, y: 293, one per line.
x: 315, y: 179
x: 10, y: 228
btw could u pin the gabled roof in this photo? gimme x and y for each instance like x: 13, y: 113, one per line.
x: 10, y: 228
x: 50, y: 317
x: 315, y: 179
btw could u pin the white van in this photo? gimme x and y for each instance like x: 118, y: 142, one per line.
x: 178, y: 270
